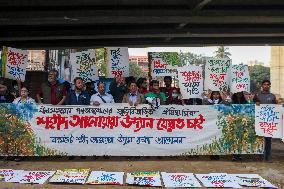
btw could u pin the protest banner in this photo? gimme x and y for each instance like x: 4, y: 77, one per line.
x: 190, y: 81
x: 84, y: 66
x: 71, y: 176
x: 117, y: 62
x: 240, y: 78
x: 183, y: 180
x: 268, y: 120
x: 105, y: 178
x: 144, y: 178
x: 217, y: 74
x: 121, y: 130
x: 14, y: 63
x: 164, y: 63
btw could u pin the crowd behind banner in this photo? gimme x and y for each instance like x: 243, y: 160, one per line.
x: 219, y: 77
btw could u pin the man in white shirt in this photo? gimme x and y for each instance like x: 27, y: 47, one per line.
x: 101, y: 97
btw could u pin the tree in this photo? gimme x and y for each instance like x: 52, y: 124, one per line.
x: 101, y: 61
x: 257, y: 74
x: 222, y: 52
x: 136, y: 71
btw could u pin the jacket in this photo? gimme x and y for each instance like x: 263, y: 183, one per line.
x: 83, y: 98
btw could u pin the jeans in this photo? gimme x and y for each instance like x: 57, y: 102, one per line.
x: 267, y: 148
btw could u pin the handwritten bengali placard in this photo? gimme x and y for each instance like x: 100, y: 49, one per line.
x: 183, y: 180
x: 84, y: 65
x: 11, y: 174
x: 268, y: 120
x: 117, y: 62
x: 217, y: 180
x: 72, y: 176
x: 14, y: 63
x: 240, y: 79
x: 252, y: 180
x: 190, y: 81
x: 164, y: 63
x: 217, y: 74
x: 35, y: 177
x: 105, y: 178
x: 144, y: 178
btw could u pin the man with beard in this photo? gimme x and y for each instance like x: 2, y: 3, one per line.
x: 52, y: 92
x: 78, y: 96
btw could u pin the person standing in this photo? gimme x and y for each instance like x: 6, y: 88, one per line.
x: 52, y: 92
x: 142, y: 85
x: 118, y: 89
x: 266, y: 97
x: 133, y: 98
x: 155, y: 97
x: 24, y: 97
x: 101, y: 97
x: 5, y: 96
x: 78, y: 96
x: 168, y: 89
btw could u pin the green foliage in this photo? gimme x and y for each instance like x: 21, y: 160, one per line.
x: 101, y: 61
x: 171, y: 58
x: 136, y: 71
x: 188, y: 58
x: 222, y: 52
x: 257, y: 74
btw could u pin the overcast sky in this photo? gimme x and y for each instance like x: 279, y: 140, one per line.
x: 239, y: 53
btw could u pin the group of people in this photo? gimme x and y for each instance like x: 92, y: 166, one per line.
x: 128, y: 90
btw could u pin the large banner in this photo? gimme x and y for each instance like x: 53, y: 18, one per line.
x: 84, y: 66
x: 120, y: 130
x: 164, y: 63
x: 190, y: 81
x: 14, y: 63
x: 217, y: 74
x: 117, y: 62
x: 240, y: 79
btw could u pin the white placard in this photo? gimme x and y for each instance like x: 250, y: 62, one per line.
x: 217, y: 74
x: 144, y: 178
x: 252, y: 180
x: 84, y: 65
x: 72, y: 176
x: 103, y: 177
x: 184, y: 180
x: 35, y: 177
x: 240, y: 79
x: 268, y: 120
x: 217, y: 180
x: 190, y: 81
x: 15, y: 61
x: 117, y: 62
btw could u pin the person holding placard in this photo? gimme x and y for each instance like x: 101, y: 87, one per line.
x: 215, y: 98
x: 266, y: 97
x: 118, y: 89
